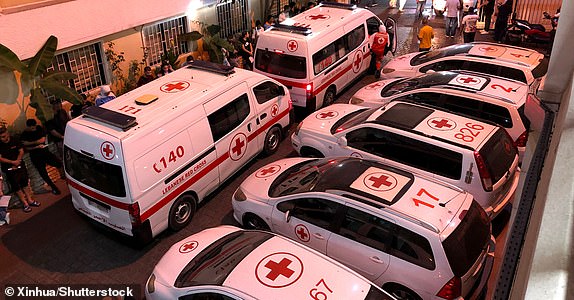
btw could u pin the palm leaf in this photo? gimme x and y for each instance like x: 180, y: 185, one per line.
x: 190, y: 36
x: 8, y: 86
x: 10, y: 60
x: 44, y: 57
x: 61, y: 91
x: 43, y: 108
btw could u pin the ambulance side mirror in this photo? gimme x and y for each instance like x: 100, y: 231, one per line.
x: 342, y: 141
x: 430, y: 71
x: 287, y: 216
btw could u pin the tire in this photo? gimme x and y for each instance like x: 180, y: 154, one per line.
x: 311, y: 152
x: 402, y: 293
x: 182, y: 212
x: 329, y: 97
x: 251, y: 221
x: 272, y: 140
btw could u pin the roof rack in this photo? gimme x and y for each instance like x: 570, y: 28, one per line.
x: 211, y: 67
x: 110, y: 117
x: 294, y: 29
x: 339, y: 5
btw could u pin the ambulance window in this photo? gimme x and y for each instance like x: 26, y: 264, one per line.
x: 329, y: 55
x: 373, y: 25
x: 266, y: 91
x: 319, y: 212
x: 227, y: 118
x: 445, y: 65
x: 480, y: 67
x: 367, y: 229
x: 413, y: 248
x: 356, y: 37
x: 513, y: 73
x: 280, y: 63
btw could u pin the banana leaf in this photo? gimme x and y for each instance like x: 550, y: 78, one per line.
x: 44, y: 110
x: 8, y: 86
x: 61, y: 91
x: 44, y: 57
x: 10, y: 60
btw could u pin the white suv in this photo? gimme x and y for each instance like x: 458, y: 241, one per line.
x: 487, y: 97
x: 474, y: 155
x: 521, y: 64
x: 414, y: 236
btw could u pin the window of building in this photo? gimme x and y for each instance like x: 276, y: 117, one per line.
x: 161, y: 38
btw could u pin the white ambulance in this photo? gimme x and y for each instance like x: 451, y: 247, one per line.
x: 142, y: 162
x: 319, y: 52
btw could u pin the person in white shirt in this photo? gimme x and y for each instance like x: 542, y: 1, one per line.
x: 469, y: 25
x: 452, y: 10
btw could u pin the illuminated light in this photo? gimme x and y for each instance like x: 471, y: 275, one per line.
x: 278, y: 51
x: 192, y: 8
x: 309, y: 87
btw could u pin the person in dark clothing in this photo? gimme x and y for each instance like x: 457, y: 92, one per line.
x: 56, y: 127
x: 11, y: 153
x: 34, y: 141
x: 246, y: 51
x: 504, y: 11
x: 487, y: 11
x: 146, y: 77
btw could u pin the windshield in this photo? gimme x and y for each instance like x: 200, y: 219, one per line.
x: 499, y: 153
x: 358, y: 117
x: 439, y: 53
x: 465, y: 244
x: 218, y: 260
x: 281, y: 64
x: 98, y: 175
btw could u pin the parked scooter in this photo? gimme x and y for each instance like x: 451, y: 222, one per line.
x: 524, y: 31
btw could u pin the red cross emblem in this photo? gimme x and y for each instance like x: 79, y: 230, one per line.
x: 327, y: 115
x: 292, y: 45
x: 188, y: 247
x: 358, y: 61
x: 442, y: 124
x: 317, y: 17
x: 487, y: 49
x: 467, y: 80
x: 374, y: 86
x: 380, y: 182
x: 107, y: 150
x: 274, y: 110
x: 302, y: 233
x: 279, y: 270
x: 268, y: 171
x: 517, y: 55
x: 174, y: 86
x: 238, y: 146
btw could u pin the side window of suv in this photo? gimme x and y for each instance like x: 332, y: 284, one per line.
x: 445, y: 65
x: 266, y: 91
x: 367, y: 229
x: 316, y: 211
x: 366, y: 139
x: 513, y: 73
x: 413, y: 248
x: 482, y: 67
x: 426, y: 98
x: 482, y: 110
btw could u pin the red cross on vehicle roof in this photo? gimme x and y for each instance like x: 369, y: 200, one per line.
x: 468, y: 80
x: 325, y: 115
x: 318, y: 17
x: 379, y: 181
x: 280, y: 268
x: 442, y: 123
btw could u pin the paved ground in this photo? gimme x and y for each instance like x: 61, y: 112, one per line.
x: 55, y: 245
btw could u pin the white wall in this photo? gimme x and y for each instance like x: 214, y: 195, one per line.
x: 80, y: 21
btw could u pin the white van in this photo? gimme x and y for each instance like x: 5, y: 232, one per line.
x: 142, y: 162
x: 319, y: 52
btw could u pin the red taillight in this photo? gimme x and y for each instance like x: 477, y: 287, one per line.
x: 522, y: 139
x: 451, y: 290
x: 134, y: 211
x: 309, y: 90
x: 483, y: 172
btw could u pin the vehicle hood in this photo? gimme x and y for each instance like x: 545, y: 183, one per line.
x: 323, y: 120
x: 372, y: 92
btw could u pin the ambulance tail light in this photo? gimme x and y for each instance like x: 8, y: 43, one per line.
x: 451, y: 290
x: 309, y: 90
x: 239, y: 195
x: 483, y: 172
x: 522, y: 139
x: 151, y: 284
x: 356, y: 101
x: 134, y: 211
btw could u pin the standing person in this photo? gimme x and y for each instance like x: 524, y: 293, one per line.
x: 426, y: 34
x: 34, y: 141
x: 188, y: 61
x: 56, y: 127
x: 284, y: 14
x: 469, y: 25
x: 106, y: 95
x: 11, y: 153
x: 421, y: 7
x: 504, y: 11
x: 379, y: 42
x: 246, y: 51
x: 4, y: 201
x: 146, y: 77
x: 166, y: 68
x: 269, y: 22
x: 488, y: 10
x: 452, y: 10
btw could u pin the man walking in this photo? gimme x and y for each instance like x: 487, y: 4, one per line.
x: 504, y: 11
x: 34, y: 140
x: 453, y: 8
x: 379, y: 42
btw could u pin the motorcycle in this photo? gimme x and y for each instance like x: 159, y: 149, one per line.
x: 523, y: 31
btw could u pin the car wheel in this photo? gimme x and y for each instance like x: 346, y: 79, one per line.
x: 272, y: 140
x: 311, y: 152
x: 329, y: 97
x: 402, y: 293
x: 182, y: 212
x: 251, y: 221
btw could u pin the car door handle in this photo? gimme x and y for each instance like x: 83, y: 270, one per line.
x: 376, y: 259
x: 263, y: 116
x: 249, y: 127
x: 318, y: 236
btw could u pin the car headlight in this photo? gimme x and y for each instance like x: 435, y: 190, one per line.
x: 239, y: 195
x: 151, y: 284
x: 356, y: 101
x: 388, y: 70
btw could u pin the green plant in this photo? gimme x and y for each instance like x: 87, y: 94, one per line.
x: 115, y: 59
x: 35, y: 79
x: 212, y: 42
